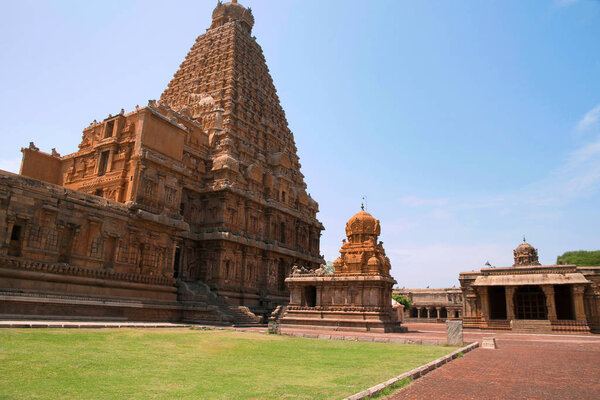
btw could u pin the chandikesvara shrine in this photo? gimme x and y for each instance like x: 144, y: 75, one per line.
x: 190, y: 208
x: 356, y: 297
x: 532, y: 297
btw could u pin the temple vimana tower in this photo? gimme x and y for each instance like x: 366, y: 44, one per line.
x: 192, y: 207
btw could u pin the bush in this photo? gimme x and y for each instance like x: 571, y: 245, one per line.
x: 580, y: 258
x: 405, y: 301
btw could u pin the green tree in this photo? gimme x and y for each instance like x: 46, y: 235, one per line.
x: 581, y: 258
x: 405, y: 301
x: 329, y: 269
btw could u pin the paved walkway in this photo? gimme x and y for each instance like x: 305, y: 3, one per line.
x: 523, y: 367
x: 435, y: 334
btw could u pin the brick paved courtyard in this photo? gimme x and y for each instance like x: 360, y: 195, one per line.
x: 523, y: 367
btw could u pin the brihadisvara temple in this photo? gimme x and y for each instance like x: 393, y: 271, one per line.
x: 193, y: 208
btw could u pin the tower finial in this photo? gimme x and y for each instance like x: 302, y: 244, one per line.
x: 523, y: 238
x: 362, y: 204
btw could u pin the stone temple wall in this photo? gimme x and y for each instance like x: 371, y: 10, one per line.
x: 213, y: 164
x: 66, y: 253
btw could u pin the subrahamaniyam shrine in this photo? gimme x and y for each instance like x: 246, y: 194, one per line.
x: 193, y: 208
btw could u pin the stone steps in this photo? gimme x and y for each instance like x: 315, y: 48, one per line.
x: 237, y: 315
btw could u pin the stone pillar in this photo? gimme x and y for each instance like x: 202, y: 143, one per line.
x: 509, y: 292
x: 419, y: 312
x: 454, y: 332
x: 578, y: 291
x: 428, y: 312
x: 485, y: 305
x: 439, y: 314
x: 549, y: 292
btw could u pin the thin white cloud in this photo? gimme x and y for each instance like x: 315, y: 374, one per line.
x: 11, y: 165
x: 414, y: 201
x: 590, y: 120
x: 578, y: 176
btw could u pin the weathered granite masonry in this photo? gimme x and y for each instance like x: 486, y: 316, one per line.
x: 454, y: 330
x: 356, y: 297
x: 529, y: 297
x: 203, y: 186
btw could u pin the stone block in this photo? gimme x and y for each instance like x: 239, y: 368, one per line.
x: 365, y: 339
x: 489, y: 343
x: 397, y: 341
x: 454, y: 331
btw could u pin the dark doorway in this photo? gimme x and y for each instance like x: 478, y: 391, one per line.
x: 281, y: 276
x: 109, y: 252
x: 66, y: 243
x: 103, y: 163
x: 176, y: 262
x: 282, y: 232
x: 443, y: 313
x: 433, y: 313
x: 14, y: 249
x: 310, y: 296
x: 563, y: 298
x: 414, y: 313
x: 530, y: 303
x: 497, y: 296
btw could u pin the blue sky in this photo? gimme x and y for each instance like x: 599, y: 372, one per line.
x: 467, y: 124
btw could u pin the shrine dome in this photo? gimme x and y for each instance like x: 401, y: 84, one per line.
x: 525, y: 254
x: 524, y: 247
x: 362, y: 223
x: 374, y: 262
x: 232, y: 11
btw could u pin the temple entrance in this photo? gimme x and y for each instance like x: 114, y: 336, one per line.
x: 443, y: 313
x: 563, y: 299
x: 310, y: 296
x: 530, y: 303
x: 497, y: 297
x: 433, y: 313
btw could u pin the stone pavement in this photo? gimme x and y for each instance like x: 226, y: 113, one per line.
x: 525, y: 366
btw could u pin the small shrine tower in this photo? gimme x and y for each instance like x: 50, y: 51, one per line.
x: 357, y: 296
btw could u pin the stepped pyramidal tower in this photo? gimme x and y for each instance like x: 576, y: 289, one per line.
x: 199, y: 194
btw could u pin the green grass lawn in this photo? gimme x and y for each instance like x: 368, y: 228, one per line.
x: 193, y: 364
